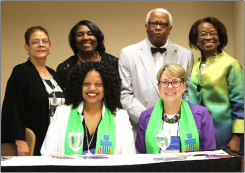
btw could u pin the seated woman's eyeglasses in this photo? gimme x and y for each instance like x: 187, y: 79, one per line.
x: 204, y: 34
x: 174, y: 83
x: 155, y: 24
x: 37, y: 42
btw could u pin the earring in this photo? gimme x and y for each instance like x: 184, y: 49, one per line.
x: 49, y: 53
x: 197, y: 44
x: 27, y: 53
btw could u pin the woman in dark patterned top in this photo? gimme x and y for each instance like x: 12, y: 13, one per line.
x: 86, y: 41
x: 32, y: 94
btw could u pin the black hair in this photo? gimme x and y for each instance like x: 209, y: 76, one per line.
x: 111, y: 83
x: 193, y: 35
x: 94, y: 29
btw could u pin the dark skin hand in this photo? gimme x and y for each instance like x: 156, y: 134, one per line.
x: 234, y: 144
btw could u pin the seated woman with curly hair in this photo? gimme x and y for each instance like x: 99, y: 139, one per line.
x: 91, y: 107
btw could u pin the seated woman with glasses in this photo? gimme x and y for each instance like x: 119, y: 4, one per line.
x: 32, y: 94
x: 190, y: 125
x: 93, y: 98
x: 217, y: 83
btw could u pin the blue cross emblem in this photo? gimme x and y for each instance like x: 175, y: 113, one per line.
x: 105, y: 144
x: 190, y: 142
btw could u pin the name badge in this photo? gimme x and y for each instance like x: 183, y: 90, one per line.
x: 91, y: 151
x: 175, y: 143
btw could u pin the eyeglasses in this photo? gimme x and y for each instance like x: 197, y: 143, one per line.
x: 174, y: 83
x: 37, y: 42
x: 155, y: 24
x: 204, y: 34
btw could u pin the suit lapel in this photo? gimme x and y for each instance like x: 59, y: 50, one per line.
x: 171, y: 56
x: 148, y: 63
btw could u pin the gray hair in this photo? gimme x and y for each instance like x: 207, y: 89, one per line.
x: 160, y: 10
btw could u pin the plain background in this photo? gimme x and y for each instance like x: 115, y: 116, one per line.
x: 122, y: 23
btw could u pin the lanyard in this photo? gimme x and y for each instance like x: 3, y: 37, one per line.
x: 199, y: 84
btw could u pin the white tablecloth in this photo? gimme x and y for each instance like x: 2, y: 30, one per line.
x: 112, y: 160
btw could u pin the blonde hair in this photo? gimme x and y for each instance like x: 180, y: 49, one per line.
x: 172, y: 70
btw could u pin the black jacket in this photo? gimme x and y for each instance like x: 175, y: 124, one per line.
x: 25, y: 105
x: 64, y: 69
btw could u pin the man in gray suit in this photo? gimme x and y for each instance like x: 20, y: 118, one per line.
x: 139, y: 64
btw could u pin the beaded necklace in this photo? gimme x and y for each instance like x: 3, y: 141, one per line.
x: 173, y: 120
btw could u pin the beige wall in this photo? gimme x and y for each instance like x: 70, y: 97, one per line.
x: 238, y: 31
x: 122, y: 23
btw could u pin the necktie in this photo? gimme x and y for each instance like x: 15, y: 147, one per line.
x: 155, y: 50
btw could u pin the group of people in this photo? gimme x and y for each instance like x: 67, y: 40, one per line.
x: 119, y: 103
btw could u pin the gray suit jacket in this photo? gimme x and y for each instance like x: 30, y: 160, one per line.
x: 136, y: 66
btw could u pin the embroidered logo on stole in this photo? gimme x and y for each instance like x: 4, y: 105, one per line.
x: 105, y: 146
x: 191, y: 143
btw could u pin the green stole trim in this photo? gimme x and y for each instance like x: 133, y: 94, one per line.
x: 106, y: 134
x: 189, y: 136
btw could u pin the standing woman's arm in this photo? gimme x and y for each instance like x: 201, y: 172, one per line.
x: 14, y: 111
x: 236, y: 94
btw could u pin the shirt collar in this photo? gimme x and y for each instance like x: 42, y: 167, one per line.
x: 151, y: 45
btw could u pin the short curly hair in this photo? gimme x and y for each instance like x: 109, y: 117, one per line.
x: 193, y: 35
x: 111, y: 83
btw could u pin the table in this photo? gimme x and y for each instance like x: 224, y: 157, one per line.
x: 121, y: 163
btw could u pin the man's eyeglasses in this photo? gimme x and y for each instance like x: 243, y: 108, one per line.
x: 37, y: 42
x: 211, y: 34
x: 174, y: 83
x: 155, y: 24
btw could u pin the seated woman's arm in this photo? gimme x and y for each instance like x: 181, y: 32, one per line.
x: 208, y: 141
x: 128, y: 146
x: 51, y: 142
x: 140, y: 138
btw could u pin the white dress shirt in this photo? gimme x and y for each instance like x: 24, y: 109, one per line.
x: 159, y: 58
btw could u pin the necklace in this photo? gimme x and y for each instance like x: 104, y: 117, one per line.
x: 54, y: 99
x: 173, y: 120
x: 89, y: 153
x: 85, y: 61
x: 47, y: 72
x: 211, y: 61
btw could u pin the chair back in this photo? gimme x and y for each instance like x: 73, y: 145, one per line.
x: 10, y: 149
x: 30, y: 140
